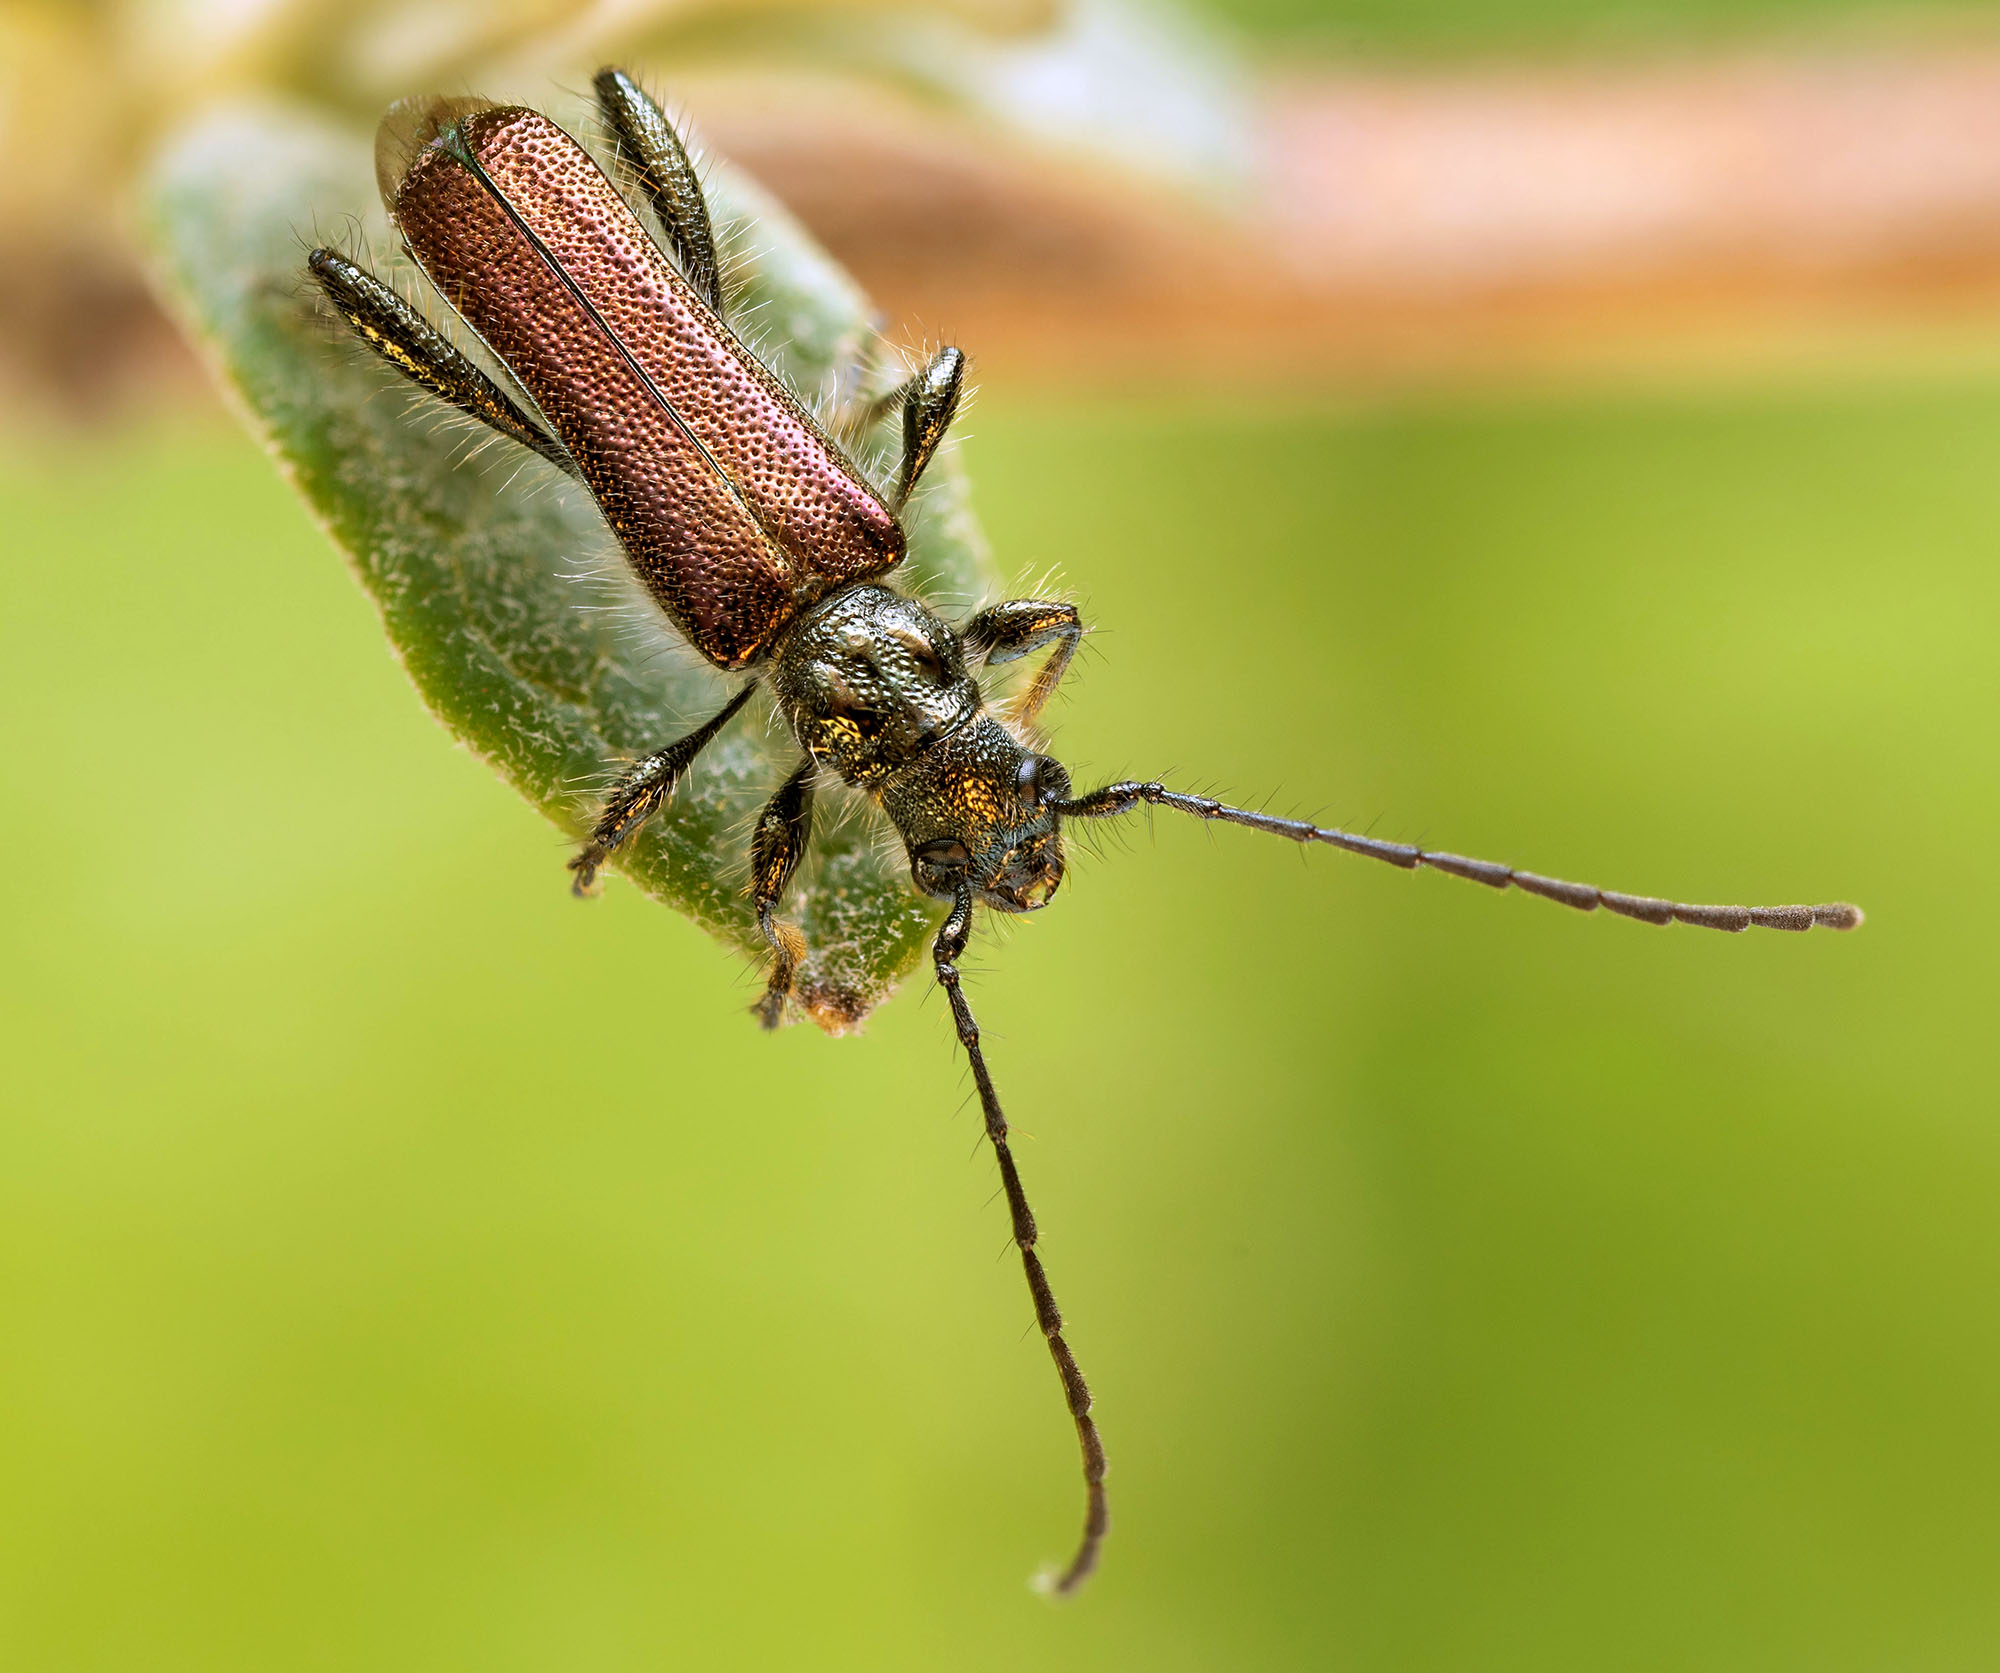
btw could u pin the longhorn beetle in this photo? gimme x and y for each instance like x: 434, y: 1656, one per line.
x: 766, y: 546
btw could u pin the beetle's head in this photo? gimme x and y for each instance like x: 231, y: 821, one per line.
x: 975, y: 809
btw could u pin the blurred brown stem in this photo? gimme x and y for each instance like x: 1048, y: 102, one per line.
x: 1415, y: 224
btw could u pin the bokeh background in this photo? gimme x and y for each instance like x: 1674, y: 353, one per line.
x: 404, y: 1267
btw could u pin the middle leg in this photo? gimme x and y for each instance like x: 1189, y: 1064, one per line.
x: 784, y: 829
x: 927, y: 401
x: 1002, y: 632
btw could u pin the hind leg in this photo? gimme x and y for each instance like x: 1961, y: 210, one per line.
x: 649, y: 145
x: 924, y: 406
x: 643, y: 791
x: 425, y: 355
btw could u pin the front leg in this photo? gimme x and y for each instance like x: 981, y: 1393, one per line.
x: 643, y: 791
x: 1002, y: 632
x: 784, y: 829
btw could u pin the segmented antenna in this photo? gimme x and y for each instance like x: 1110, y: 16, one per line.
x: 1115, y: 799
x: 945, y: 953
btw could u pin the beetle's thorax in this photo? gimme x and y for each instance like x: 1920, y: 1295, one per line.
x: 869, y: 680
x: 877, y: 690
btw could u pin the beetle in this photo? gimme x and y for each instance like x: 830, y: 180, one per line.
x: 769, y: 548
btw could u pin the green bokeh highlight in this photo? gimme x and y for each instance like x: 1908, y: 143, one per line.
x: 403, y: 1266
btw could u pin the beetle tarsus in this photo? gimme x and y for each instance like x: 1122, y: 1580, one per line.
x: 788, y: 949
x: 585, y: 863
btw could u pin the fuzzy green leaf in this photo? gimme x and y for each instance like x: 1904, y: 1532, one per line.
x: 499, y: 586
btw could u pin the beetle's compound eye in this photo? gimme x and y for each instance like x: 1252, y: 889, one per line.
x: 947, y: 854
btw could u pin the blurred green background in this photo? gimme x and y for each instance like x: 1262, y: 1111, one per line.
x: 403, y: 1266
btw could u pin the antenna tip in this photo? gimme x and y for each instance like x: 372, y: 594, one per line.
x: 1840, y: 915
x: 1058, y: 1585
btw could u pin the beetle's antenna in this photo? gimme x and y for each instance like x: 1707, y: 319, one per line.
x: 945, y: 954
x: 1115, y: 799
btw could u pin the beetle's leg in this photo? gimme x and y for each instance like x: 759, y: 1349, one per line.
x: 1115, y: 799
x: 425, y: 355
x: 1002, y: 632
x: 783, y: 830
x: 647, y: 142
x: 926, y: 403
x: 929, y: 402
x: 945, y: 954
x: 643, y: 791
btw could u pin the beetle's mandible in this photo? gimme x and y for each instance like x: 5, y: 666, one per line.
x: 767, y: 547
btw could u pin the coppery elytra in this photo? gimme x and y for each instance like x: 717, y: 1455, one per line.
x: 765, y: 545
